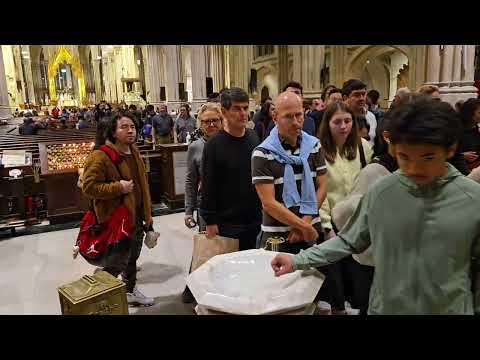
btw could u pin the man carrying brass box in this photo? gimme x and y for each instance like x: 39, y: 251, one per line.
x: 109, y: 184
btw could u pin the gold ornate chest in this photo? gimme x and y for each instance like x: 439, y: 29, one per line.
x: 99, y: 294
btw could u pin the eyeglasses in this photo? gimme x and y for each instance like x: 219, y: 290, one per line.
x: 211, y: 121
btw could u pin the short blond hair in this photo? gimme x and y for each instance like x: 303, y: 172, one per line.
x: 428, y: 89
x: 209, y: 106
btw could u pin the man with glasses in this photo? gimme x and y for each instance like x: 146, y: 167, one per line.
x: 354, y: 94
x: 230, y: 205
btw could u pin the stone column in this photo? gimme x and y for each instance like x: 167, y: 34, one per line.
x: 337, y: 71
x: 217, y: 67
x: 451, y: 89
x: 282, y: 65
x: 27, y: 65
x: 154, y: 79
x: 313, y: 64
x: 173, y: 63
x: 446, y: 75
x: 199, y: 74
x: 5, y: 111
x: 97, y: 80
x: 433, y: 64
x: 457, y: 65
x: 119, y: 67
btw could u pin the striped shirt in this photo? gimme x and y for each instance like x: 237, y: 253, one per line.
x: 265, y: 169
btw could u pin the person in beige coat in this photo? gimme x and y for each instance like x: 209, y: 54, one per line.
x: 108, y: 185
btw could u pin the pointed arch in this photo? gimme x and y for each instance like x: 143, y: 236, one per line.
x: 60, y: 57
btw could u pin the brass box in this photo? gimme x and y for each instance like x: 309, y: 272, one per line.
x: 99, y: 294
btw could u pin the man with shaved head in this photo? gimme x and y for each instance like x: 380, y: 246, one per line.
x: 289, y: 173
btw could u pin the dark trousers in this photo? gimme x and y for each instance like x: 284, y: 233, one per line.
x: 125, y: 262
x: 246, y: 234
x: 361, y: 278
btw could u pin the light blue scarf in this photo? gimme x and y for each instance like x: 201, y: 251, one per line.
x: 308, y: 201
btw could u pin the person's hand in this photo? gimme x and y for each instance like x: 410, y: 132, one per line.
x: 148, y: 222
x: 309, y: 233
x: 127, y: 186
x: 212, y: 230
x: 189, y: 221
x: 282, y: 264
x: 294, y: 236
x: 470, y: 156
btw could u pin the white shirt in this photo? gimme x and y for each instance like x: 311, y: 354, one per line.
x: 372, y: 121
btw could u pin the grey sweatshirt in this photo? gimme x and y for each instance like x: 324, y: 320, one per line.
x: 194, y: 175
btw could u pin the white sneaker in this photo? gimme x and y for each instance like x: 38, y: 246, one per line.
x: 137, y: 298
x: 324, y: 308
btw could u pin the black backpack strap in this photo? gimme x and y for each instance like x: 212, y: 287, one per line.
x: 363, y: 161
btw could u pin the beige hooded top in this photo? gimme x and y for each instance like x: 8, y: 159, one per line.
x: 343, y: 210
x: 475, y: 174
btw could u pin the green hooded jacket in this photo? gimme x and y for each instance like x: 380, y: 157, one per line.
x: 423, y: 240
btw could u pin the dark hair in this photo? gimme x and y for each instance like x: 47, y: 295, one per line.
x: 326, y: 139
x: 326, y: 90
x: 333, y: 91
x: 467, y: 110
x: 380, y: 146
x: 373, y: 95
x: 352, y: 85
x: 265, y: 111
x: 110, y: 131
x: 234, y: 94
x: 213, y: 97
x: 133, y: 107
x: 293, y: 84
x: 187, y: 109
x: 362, y: 122
x: 268, y: 98
x: 101, y: 135
x: 150, y: 107
x: 424, y: 121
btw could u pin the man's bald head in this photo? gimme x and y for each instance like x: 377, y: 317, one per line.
x: 288, y: 115
x: 287, y: 98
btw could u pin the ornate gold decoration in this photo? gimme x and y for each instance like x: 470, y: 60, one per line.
x: 274, y: 243
x: 64, y: 56
x: 36, y: 166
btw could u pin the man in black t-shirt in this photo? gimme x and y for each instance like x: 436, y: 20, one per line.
x: 230, y: 205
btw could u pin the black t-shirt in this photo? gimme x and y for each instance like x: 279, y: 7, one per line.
x: 228, y: 195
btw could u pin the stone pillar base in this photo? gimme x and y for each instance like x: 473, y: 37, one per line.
x: 174, y: 105
x: 196, y: 103
x: 5, y: 112
x: 312, y: 94
x: 452, y: 94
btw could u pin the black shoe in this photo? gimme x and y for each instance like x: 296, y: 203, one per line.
x: 187, y: 296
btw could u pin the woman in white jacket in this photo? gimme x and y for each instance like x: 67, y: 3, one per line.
x: 382, y: 164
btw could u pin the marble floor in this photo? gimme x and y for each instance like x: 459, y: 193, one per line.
x: 33, y: 266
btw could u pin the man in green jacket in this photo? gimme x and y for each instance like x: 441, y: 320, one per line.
x: 422, y: 222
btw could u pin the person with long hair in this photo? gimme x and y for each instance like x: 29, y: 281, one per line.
x: 109, y: 185
x: 346, y: 154
x: 383, y: 163
x: 470, y: 140
x: 209, y: 122
x: 263, y: 120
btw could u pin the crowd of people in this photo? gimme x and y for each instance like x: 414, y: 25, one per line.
x: 362, y: 193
